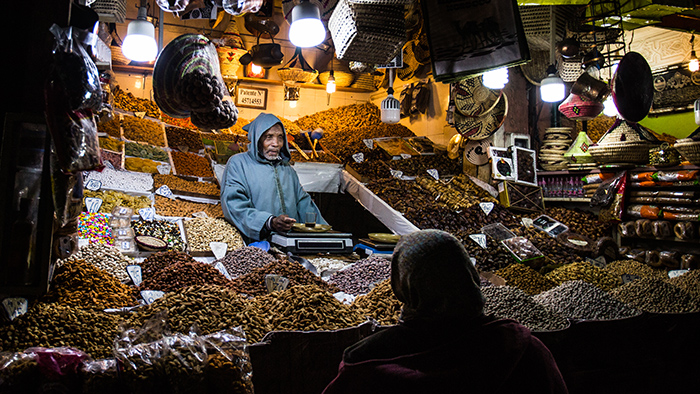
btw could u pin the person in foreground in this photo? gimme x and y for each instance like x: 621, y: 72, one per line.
x: 444, y: 343
x: 260, y: 191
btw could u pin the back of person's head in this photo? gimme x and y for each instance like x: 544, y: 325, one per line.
x: 431, y: 273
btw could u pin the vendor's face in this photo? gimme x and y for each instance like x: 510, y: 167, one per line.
x: 272, y: 142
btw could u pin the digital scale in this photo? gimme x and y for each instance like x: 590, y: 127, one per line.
x: 316, y: 242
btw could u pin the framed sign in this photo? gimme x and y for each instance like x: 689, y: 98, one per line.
x: 249, y: 97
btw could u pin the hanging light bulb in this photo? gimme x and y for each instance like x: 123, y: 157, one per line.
x: 330, y: 84
x: 140, y: 42
x: 609, y: 108
x: 306, y: 30
x: 552, y: 88
x: 293, y: 104
x: 496, y: 79
x: 694, y: 64
x: 255, y: 69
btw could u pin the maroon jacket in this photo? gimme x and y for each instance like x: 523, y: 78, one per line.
x: 486, y: 356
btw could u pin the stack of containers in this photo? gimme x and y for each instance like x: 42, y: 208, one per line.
x: 121, y: 229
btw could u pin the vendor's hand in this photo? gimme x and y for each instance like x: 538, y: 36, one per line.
x: 282, y: 223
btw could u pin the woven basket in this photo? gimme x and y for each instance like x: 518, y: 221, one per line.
x: 576, y: 108
x: 297, y: 70
x: 622, y: 152
x: 117, y: 55
x: 689, y: 149
x: 364, y: 81
x: 366, y: 32
x: 554, y: 167
x: 341, y: 72
x: 110, y: 10
x: 570, y: 69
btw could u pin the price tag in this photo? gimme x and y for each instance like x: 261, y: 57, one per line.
x: 527, y: 222
x: 396, y: 173
x: 597, y: 262
x: 405, y: 156
x: 674, y: 273
x: 147, y: 213
x: 140, y: 115
x: 369, y: 142
x: 83, y: 242
x: 626, y: 278
x: 164, y: 191
x: 479, y: 239
x: 108, y: 164
x: 163, y: 169
x: 219, y: 249
x: 275, y: 283
x: 434, y: 173
x: 344, y: 298
x: 222, y: 269
x: 201, y: 214
x: 15, y: 306
x: 135, y: 274
x: 93, y: 184
x: 149, y: 296
x: 93, y: 204
x: 487, y: 207
x: 358, y: 157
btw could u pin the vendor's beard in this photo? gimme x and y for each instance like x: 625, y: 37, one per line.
x: 272, y: 158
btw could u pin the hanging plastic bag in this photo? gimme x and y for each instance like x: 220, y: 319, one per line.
x: 605, y: 194
x: 616, y: 209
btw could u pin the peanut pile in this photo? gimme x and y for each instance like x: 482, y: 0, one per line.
x: 201, y: 231
x: 143, y: 130
x: 181, y: 208
x: 176, y: 183
x: 191, y: 164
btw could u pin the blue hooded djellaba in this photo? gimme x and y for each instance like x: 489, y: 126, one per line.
x: 255, y: 188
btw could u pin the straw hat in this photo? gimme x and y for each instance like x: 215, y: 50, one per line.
x: 483, y: 125
x: 473, y: 98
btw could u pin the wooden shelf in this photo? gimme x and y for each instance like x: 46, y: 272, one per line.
x: 567, y: 199
x: 653, y: 239
x: 132, y: 69
x: 303, y: 85
x: 632, y: 167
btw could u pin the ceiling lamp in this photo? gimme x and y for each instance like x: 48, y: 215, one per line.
x: 496, y: 79
x: 307, y: 29
x: 552, y: 89
x: 140, y: 42
x: 609, y: 108
x: 694, y: 64
x: 330, y: 84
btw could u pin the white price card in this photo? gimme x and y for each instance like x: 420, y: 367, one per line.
x: 163, y: 169
x: 135, y: 274
x: 200, y: 214
x: 479, y: 239
x: 473, y: 260
x: 276, y: 283
x: 164, y: 191
x: 396, y: 173
x: 487, y: 207
x: 674, y: 273
x: 434, y: 173
x: 358, y: 157
x: 83, y: 242
x: 405, y: 156
x: 140, y: 115
x: 93, y: 204
x: 108, y: 164
x: 369, y: 142
x: 151, y: 295
x: 220, y: 266
x: 219, y: 249
x: 93, y: 184
x: 344, y: 298
x: 15, y: 306
x: 147, y: 213
x: 527, y: 222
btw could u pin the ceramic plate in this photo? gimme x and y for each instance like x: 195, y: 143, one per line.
x: 384, y: 237
x: 319, y: 228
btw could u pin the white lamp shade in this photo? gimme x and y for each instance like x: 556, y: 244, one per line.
x: 609, y: 108
x: 694, y: 64
x: 330, y: 84
x: 306, y: 30
x: 140, y: 43
x: 496, y: 79
x: 552, y: 89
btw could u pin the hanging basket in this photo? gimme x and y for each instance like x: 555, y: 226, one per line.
x: 341, y: 72
x: 297, y: 70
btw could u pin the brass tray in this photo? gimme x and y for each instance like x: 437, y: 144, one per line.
x: 319, y: 228
x: 384, y: 237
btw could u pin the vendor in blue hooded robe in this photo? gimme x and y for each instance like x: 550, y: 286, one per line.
x: 261, y: 192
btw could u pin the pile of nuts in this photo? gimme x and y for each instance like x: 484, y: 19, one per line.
x: 307, y: 308
x: 211, y: 307
x: 577, y: 299
x: 143, y: 130
x: 525, y: 279
x: 657, y: 296
x: 191, y: 164
x: 585, y: 272
x: 104, y: 257
x: 158, y: 261
x: 145, y: 151
x: 112, y: 199
x: 138, y: 164
x: 507, y: 302
x: 163, y: 229
x: 253, y: 284
x: 380, y: 304
x: 581, y: 222
x: 113, y: 158
x: 242, y: 261
x: 182, y: 274
x: 634, y: 267
x: 53, y: 325
x: 175, y: 183
x: 128, y: 102
x: 111, y: 128
x: 690, y: 282
x: 418, y: 165
x: 81, y: 284
x: 122, y: 180
x: 111, y: 144
x: 176, y: 207
x: 179, y: 137
x: 360, y: 277
x: 201, y: 231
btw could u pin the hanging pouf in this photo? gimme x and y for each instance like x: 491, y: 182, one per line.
x: 297, y: 70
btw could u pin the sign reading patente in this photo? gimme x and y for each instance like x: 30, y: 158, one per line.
x: 251, y: 97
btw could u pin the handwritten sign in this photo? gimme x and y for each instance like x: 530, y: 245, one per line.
x: 405, y: 156
x: 396, y: 173
x: 479, y: 239
x: 15, y: 306
x: 434, y: 173
x: 134, y: 272
x: 358, y: 157
x: 248, y: 97
x: 147, y: 213
x: 93, y: 204
x: 165, y: 191
x: 369, y: 142
x: 93, y: 184
x: 276, y: 283
x: 163, y: 169
x: 487, y: 207
x: 151, y: 295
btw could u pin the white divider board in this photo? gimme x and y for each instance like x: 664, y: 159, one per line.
x: 390, y: 217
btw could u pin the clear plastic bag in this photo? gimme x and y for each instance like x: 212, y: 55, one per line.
x: 605, y: 194
x: 101, y: 376
x: 173, y: 5
x: 67, y: 193
x: 522, y: 248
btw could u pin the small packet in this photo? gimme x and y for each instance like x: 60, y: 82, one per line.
x: 522, y: 249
